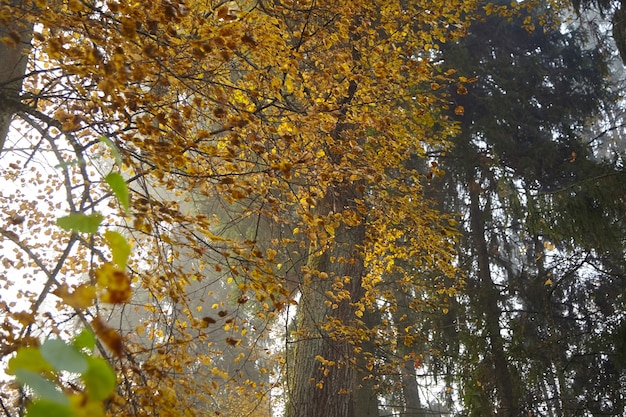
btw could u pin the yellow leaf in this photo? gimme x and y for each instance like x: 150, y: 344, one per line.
x: 289, y: 85
x: 120, y: 249
x: 75, y: 5
x: 81, y: 298
x: 113, y: 283
x: 108, y: 336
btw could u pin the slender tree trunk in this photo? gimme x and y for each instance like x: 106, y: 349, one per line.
x: 488, y: 300
x: 547, y: 388
x: 410, y: 389
x: 564, y: 402
x: 13, y: 60
x: 324, y: 375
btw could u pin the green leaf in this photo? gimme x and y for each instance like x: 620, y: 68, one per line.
x: 30, y: 359
x: 44, y: 408
x: 79, y: 222
x: 120, y: 249
x: 85, y: 340
x: 100, y: 379
x: 64, y: 357
x: 113, y: 148
x: 42, y: 388
x: 120, y: 189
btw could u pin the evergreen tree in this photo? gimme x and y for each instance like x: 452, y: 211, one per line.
x: 543, y: 229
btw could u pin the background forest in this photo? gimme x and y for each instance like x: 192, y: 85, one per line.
x: 305, y: 208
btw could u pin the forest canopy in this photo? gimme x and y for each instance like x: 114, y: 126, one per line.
x: 251, y: 208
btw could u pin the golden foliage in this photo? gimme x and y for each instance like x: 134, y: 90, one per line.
x: 236, y: 123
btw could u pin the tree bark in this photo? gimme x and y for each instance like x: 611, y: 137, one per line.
x: 488, y: 300
x: 322, y: 383
x: 365, y: 396
x: 13, y: 60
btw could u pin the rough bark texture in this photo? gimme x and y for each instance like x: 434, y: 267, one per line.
x: 507, y: 405
x: 316, y: 389
x: 365, y: 396
x: 12, y: 69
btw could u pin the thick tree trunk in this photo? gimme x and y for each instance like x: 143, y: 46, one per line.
x: 323, y: 379
x: 488, y: 300
x: 13, y: 61
x: 365, y: 396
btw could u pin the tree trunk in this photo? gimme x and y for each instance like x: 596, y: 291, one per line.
x: 365, y: 395
x: 488, y: 302
x: 324, y: 379
x: 410, y: 389
x: 565, y: 402
x: 13, y: 60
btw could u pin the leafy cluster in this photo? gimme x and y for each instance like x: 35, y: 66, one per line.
x: 308, y: 206
x: 273, y: 154
x: 38, y: 367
